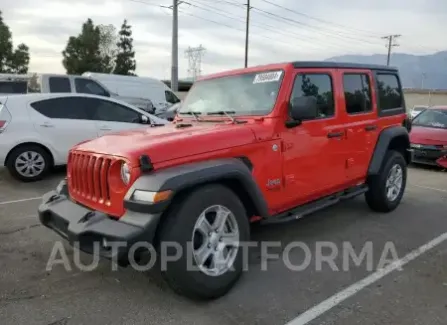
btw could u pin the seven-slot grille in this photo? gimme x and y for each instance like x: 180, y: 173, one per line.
x: 89, y: 177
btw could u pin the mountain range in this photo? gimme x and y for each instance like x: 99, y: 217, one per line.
x: 416, y: 71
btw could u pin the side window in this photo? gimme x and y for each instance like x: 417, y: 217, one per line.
x: 62, y: 108
x: 390, y: 95
x: 59, y: 85
x: 109, y: 111
x: 170, y: 97
x: 13, y: 87
x: 357, y: 91
x: 87, y: 86
x: 319, y: 86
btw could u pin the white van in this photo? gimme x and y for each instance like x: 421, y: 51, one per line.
x: 153, y: 89
x: 12, y: 84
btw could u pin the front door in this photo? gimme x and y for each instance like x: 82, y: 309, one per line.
x: 360, y: 115
x: 113, y: 117
x: 314, y: 157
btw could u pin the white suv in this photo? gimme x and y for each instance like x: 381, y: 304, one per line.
x: 37, y: 130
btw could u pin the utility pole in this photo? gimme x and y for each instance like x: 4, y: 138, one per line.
x: 174, y: 63
x: 174, y: 46
x: 247, y: 26
x: 390, y: 45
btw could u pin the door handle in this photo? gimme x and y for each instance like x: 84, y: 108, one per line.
x: 370, y: 127
x: 105, y: 129
x: 47, y: 125
x: 338, y: 134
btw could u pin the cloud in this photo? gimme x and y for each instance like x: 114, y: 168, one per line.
x: 307, y: 31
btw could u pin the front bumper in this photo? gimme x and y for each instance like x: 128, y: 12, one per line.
x: 94, y: 232
x: 428, y: 156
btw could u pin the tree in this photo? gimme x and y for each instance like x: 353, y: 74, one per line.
x: 12, y: 61
x: 83, y: 52
x: 125, y: 63
x: 108, y: 46
x: 20, y: 60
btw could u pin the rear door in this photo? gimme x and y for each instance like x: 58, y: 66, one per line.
x: 360, y: 115
x: 63, y: 122
x: 113, y: 117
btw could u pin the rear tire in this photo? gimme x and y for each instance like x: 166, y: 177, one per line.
x: 387, y: 188
x: 29, y: 163
x: 184, y: 223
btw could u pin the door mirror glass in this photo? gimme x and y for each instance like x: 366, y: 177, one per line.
x: 303, y: 108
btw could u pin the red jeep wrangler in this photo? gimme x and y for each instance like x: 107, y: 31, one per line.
x: 267, y: 143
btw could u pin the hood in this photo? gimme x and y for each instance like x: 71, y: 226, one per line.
x: 430, y: 136
x: 168, y: 142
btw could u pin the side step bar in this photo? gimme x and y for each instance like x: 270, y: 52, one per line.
x: 308, y: 208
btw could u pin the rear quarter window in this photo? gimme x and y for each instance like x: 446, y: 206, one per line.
x: 389, y: 94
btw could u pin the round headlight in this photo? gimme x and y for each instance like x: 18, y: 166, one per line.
x: 125, y: 173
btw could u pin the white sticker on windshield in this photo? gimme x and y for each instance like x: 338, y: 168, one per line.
x: 267, y: 77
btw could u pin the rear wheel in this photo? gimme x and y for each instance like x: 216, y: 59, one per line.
x: 387, y: 188
x: 28, y: 163
x: 208, y: 225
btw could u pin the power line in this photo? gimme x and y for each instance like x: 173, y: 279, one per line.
x: 332, y: 34
x: 309, y: 40
x: 390, y: 45
x: 321, y: 20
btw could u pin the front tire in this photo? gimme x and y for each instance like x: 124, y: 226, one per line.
x: 28, y: 163
x: 208, y: 224
x: 387, y: 188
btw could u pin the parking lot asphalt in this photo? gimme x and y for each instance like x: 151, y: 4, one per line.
x: 268, y: 293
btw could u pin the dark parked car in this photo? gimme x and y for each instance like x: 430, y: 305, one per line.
x: 170, y: 113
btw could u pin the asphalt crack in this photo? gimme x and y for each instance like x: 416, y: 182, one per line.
x: 10, y: 232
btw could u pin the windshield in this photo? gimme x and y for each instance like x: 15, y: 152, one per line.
x: 244, y: 94
x: 433, y: 118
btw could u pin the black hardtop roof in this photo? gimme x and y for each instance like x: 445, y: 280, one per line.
x: 341, y: 65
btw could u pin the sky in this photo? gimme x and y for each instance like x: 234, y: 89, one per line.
x: 305, y: 30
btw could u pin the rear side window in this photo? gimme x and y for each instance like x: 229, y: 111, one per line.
x: 389, y: 91
x: 63, y: 108
x: 59, y: 85
x: 87, y: 86
x: 13, y: 87
x: 319, y: 86
x: 357, y: 91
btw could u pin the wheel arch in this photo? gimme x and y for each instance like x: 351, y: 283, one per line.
x: 234, y: 173
x: 31, y: 143
x: 392, y: 138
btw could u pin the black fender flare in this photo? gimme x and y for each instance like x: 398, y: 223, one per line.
x: 182, y: 177
x: 384, y: 143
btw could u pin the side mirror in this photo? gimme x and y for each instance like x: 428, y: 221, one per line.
x: 303, y: 108
x: 144, y: 119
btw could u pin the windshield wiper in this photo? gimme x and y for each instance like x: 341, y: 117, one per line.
x: 226, y: 113
x: 195, y: 114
